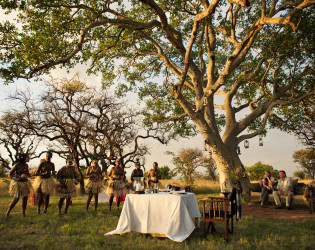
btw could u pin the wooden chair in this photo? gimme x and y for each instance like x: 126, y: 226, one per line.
x: 219, y: 209
x: 216, y: 209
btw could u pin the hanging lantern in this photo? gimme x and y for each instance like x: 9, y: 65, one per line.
x: 246, y: 144
x: 238, y: 150
x: 261, y: 142
x: 215, y: 149
x: 205, y: 146
x: 210, y: 153
x: 205, y: 101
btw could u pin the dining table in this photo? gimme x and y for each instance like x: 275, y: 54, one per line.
x: 165, y: 214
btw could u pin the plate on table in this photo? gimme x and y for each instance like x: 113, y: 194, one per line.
x: 165, y: 190
x: 178, y: 192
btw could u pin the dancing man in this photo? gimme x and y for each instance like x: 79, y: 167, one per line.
x: 67, y: 178
x: 20, y: 185
x: 116, y: 186
x: 44, y: 184
x: 94, y: 184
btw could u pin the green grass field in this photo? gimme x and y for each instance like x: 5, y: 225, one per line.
x: 81, y: 230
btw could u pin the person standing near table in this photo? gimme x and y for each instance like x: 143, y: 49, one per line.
x: 20, y: 185
x: 137, y: 172
x: 267, y: 187
x: 284, y: 187
x: 116, y: 186
x: 67, y: 179
x: 154, y: 174
x: 44, y: 184
x: 94, y: 184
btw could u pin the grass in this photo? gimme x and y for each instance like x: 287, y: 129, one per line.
x: 81, y: 230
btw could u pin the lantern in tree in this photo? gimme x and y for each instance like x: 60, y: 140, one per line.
x: 238, y: 150
x: 210, y: 153
x: 205, y: 146
x: 261, y: 142
x: 246, y: 144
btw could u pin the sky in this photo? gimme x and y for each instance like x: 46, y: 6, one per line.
x: 277, y: 150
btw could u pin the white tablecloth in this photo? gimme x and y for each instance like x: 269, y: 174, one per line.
x: 160, y: 213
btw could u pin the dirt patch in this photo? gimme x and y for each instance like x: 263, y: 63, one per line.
x: 279, y: 214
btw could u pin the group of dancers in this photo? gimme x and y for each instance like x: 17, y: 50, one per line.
x: 67, y: 178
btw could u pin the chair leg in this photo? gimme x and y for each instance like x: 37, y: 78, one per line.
x: 208, y: 228
x: 226, y: 231
x: 213, y: 230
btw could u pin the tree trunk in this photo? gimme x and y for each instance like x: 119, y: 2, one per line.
x: 231, y: 172
x: 82, y: 190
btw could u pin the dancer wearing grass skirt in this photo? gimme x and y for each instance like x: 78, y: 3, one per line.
x: 67, y: 178
x: 20, y: 185
x: 116, y: 186
x: 94, y: 183
x: 44, y: 185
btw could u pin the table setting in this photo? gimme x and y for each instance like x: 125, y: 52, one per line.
x: 167, y: 213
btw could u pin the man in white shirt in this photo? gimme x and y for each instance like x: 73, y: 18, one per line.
x: 285, y: 187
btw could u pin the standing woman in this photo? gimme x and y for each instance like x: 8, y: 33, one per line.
x: 44, y: 184
x: 20, y: 185
x: 154, y: 175
x: 94, y: 184
x: 116, y: 186
x: 67, y: 179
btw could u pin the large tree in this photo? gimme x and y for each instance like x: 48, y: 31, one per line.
x: 258, y: 56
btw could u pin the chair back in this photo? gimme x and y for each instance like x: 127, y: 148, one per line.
x: 215, y: 209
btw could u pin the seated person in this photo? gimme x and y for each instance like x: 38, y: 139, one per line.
x: 284, y: 187
x: 154, y: 175
x: 137, y: 172
x: 266, y: 184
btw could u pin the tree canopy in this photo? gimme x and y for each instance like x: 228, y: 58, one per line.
x: 257, y: 171
x: 306, y: 160
x: 259, y: 56
x: 187, y: 161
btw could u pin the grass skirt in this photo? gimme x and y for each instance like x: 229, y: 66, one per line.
x: 116, y: 187
x: 66, y: 190
x: 20, y: 189
x: 93, y: 186
x: 47, y: 186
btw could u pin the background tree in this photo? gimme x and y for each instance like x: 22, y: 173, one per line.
x: 186, y: 162
x: 82, y: 122
x: 166, y: 173
x: 300, y: 174
x: 306, y: 160
x: 260, y: 59
x: 15, y: 139
x: 4, y: 171
x: 211, y: 168
x: 257, y: 171
x: 85, y: 123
